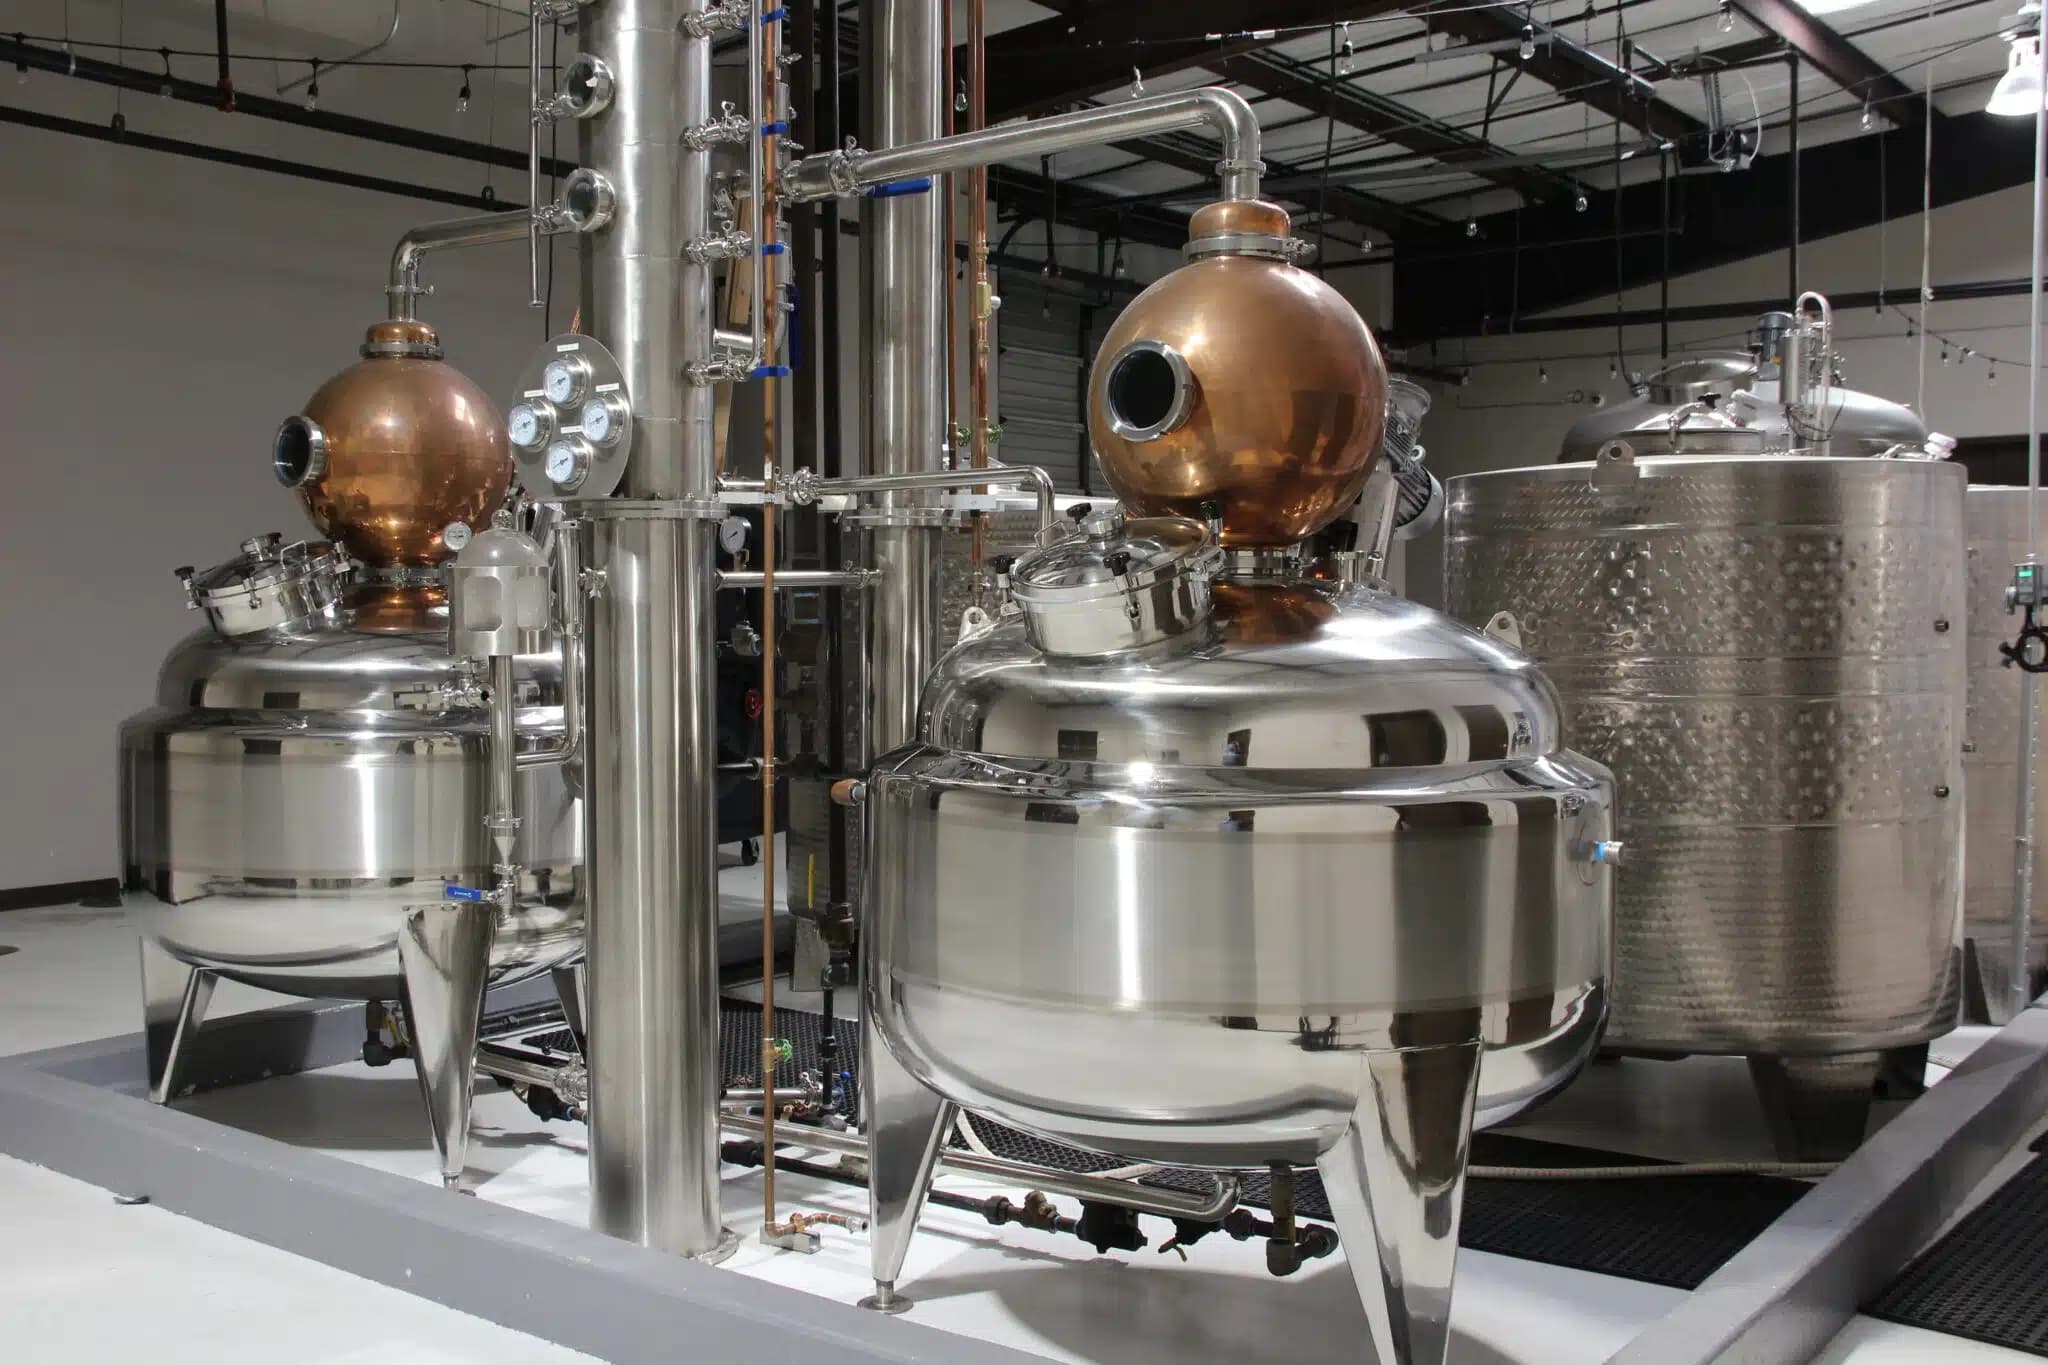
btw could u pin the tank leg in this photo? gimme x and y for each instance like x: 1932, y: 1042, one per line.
x: 174, y: 1001
x: 1818, y: 1107
x: 569, y: 990
x: 1396, y: 1186
x: 444, y: 951
x: 907, y: 1127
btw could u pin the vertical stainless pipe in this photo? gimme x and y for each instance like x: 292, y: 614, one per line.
x: 504, y: 816
x: 904, y: 268
x: 650, y: 736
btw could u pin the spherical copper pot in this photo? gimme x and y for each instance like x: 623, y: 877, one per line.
x: 395, y: 448
x: 1241, y: 381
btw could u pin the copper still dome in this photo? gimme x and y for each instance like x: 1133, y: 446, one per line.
x: 1242, y: 383
x: 394, y: 449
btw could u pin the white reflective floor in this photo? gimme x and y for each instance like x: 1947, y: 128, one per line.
x: 73, y: 979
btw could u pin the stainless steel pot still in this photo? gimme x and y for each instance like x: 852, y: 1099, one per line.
x: 1199, y: 861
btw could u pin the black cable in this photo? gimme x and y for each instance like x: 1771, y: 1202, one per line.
x: 1329, y: 149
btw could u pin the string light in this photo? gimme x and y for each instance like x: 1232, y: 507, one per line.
x: 1528, y: 48
x: 1869, y: 117
x: 313, y: 87
x: 1344, y: 63
x: 462, y: 95
x: 1727, y: 21
x: 164, y: 90
x: 1471, y: 227
x: 1543, y: 374
x: 1580, y: 202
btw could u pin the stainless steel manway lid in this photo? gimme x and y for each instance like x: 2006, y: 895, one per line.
x: 1106, y: 584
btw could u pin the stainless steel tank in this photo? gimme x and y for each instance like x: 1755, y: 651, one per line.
x: 1997, y: 527
x: 1700, y: 388
x: 1768, y: 653
x: 1240, y: 874
x: 313, y: 767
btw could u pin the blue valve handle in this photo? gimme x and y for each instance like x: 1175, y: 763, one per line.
x: 465, y: 893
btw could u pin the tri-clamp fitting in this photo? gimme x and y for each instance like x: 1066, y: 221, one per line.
x: 729, y: 126
x: 731, y: 245
x: 715, y: 21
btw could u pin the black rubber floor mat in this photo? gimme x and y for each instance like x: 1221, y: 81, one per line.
x: 1672, y: 1231
x: 1988, y: 1278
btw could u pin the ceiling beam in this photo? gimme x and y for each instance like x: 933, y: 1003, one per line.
x: 1363, y: 109
x: 1038, y: 67
x: 1576, y: 72
x: 1835, y: 57
x: 1460, y: 285
x: 1025, y: 194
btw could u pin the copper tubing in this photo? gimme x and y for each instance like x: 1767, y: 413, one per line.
x: 980, y: 297
x: 767, y: 233
x: 952, y: 295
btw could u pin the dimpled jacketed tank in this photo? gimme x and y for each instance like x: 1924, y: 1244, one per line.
x: 1755, y: 614
x: 1199, y: 860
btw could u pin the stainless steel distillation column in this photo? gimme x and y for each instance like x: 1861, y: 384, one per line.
x: 649, y: 822
x: 904, y: 269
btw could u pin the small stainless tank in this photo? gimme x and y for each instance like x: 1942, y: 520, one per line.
x: 1768, y: 652
x: 314, y: 765
x: 1998, y: 539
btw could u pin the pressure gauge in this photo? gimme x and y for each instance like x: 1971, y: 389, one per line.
x: 530, y: 425
x: 568, y: 461
x: 565, y: 379
x: 732, y: 534
x: 605, y: 419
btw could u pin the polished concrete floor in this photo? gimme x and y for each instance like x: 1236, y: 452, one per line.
x: 91, y: 1280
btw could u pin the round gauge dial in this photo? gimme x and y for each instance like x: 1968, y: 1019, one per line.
x: 566, y: 463
x: 732, y: 534
x: 604, y: 419
x: 455, y: 535
x: 528, y: 427
x: 564, y: 378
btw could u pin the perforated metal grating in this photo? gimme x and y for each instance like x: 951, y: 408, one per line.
x: 1988, y: 1278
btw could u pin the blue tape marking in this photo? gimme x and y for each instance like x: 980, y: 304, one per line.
x: 893, y: 188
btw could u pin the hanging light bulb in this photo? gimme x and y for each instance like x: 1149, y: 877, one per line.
x: 1991, y: 374
x: 1726, y: 23
x: 1528, y: 48
x: 1614, y: 369
x: 313, y: 88
x: 1542, y: 374
x: 164, y: 90
x: 960, y: 99
x: 1944, y: 353
x: 1344, y: 63
x: 2018, y: 92
x: 1869, y: 117
x: 462, y: 95
x: 1579, y: 203
x: 1471, y: 227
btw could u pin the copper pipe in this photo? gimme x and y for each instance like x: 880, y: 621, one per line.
x: 767, y: 233
x: 981, y: 297
x: 951, y: 292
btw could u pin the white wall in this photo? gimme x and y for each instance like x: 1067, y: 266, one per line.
x: 164, y: 315
x: 1506, y: 417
